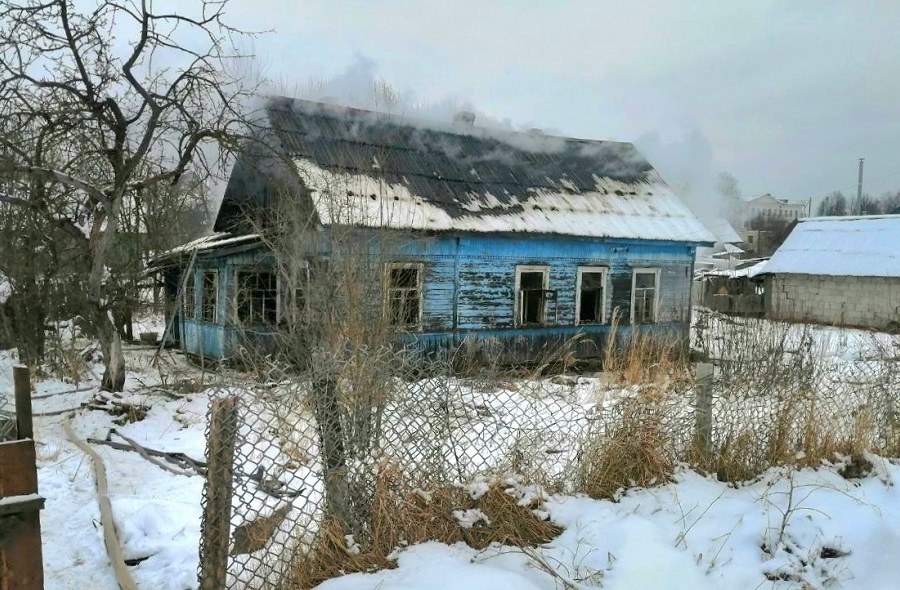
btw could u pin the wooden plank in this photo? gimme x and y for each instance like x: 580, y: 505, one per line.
x: 21, y: 566
x: 20, y: 504
x: 24, y: 422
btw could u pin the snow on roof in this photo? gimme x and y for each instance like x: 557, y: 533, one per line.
x: 646, y: 211
x: 723, y: 231
x: 206, y: 243
x: 841, y: 246
x: 379, y: 170
x: 749, y: 271
x: 728, y: 250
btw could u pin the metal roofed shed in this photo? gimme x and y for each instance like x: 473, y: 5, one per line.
x: 838, y: 270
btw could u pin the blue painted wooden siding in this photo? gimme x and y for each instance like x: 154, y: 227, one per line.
x: 469, y: 289
x: 219, y: 339
x: 482, y: 270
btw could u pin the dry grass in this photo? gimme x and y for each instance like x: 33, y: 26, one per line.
x: 643, y: 359
x: 636, y: 454
x: 799, y: 435
x: 402, y: 517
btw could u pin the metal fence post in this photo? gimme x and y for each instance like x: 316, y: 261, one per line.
x: 216, y: 525
x: 703, y: 402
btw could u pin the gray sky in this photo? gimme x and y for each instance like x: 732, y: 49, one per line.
x: 785, y: 95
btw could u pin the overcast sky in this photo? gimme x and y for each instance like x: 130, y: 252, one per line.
x: 785, y: 95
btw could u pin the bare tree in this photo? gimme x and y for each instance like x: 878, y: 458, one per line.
x: 834, y: 204
x: 890, y: 201
x: 105, y: 114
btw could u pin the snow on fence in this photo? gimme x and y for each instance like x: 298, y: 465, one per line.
x: 276, y: 474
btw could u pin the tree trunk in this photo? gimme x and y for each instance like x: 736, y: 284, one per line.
x: 114, y: 357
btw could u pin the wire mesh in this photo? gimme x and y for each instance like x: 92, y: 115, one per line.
x: 306, y: 450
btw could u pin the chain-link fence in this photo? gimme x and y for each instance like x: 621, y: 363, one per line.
x: 288, y: 458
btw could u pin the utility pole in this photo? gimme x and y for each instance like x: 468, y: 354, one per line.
x: 859, y: 188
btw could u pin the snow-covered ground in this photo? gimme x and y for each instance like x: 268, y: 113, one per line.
x: 792, y: 529
x: 789, y: 529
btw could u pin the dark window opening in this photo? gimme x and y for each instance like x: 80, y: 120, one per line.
x: 644, y: 297
x: 257, y: 297
x: 532, y: 298
x: 404, y: 296
x: 209, y: 296
x: 591, y: 299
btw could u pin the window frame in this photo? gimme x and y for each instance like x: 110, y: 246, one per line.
x: 656, y: 271
x: 250, y: 269
x: 189, y: 297
x: 518, y: 308
x: 420, y: 289
x: 215, y: 291
x: 604, y: 272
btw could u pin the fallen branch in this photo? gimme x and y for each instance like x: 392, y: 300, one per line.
x: 179, y: 459
x: 143, y: 453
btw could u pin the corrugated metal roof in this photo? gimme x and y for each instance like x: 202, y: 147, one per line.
x: 376, y: 169
x: 841, y: 246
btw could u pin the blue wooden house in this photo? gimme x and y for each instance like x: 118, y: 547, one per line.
x: 522, y: 240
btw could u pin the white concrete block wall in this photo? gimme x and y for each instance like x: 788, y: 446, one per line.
x: 872, y: 302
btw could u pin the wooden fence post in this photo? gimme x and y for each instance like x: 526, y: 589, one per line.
x: 21, y: 562
x: 703, y: 401
x: 24, y: 424
x: 216, y: 526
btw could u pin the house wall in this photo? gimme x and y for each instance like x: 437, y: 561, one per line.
x: 469, y: 292
x: 220, y: 339
x: 470, y: 288
x: 872, y: 302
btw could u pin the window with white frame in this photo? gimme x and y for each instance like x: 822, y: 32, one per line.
x: 532, y: 293
x: 403, y: 294
x: 257, y: 296
x: 590, y: 297
x: 209, y: 295
x: 644, y: 295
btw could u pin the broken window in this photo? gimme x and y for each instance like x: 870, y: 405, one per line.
x: 209, y: 296
x: 404, y: 294
x: 591, y: 295
x: 257, y: 296
x: 532, y: 295
x: 187, y: 298
x: 644, y: 295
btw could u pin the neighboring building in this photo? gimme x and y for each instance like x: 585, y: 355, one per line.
x: 838, y: 271
x: 767, y: 206
x: 726, y: 251
x: 517, y: 239
x: 738, y: 291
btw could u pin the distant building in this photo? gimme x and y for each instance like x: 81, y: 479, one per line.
x: 767, y: 206
x: 838, y: 271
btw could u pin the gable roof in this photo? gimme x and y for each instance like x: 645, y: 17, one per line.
x: 378, y: 170
x: 841, y: 246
